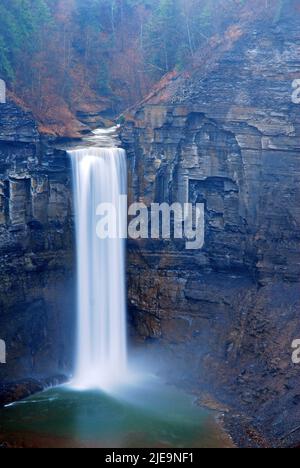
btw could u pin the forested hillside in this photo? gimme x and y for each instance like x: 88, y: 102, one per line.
x: 67, y: 58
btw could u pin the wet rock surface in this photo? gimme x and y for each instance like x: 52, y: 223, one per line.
x: 36, y: 250
x: 227, y: 135
x: 10, y: 393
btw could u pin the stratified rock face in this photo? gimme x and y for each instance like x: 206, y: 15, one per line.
x: 227, y: 135
x: 36, y: 250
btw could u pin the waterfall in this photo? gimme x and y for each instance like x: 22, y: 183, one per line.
x: 100, y: 176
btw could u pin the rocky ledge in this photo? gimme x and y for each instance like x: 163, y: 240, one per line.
x: 11, y: 393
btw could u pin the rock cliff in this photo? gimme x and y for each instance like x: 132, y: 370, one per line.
x: 227, y: 134
x: 36, y: 250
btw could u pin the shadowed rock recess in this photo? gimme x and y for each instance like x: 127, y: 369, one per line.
x: 36, y: 251
x: 226, y: 134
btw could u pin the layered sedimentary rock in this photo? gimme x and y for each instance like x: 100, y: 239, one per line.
x: 36, y: 250
x: 226, y: 134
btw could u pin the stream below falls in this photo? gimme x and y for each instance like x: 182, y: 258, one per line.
x: 146, y: 415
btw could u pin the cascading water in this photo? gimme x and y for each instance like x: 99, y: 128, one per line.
x: 99, y: 178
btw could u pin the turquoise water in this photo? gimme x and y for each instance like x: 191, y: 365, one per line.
x: 150, y: 416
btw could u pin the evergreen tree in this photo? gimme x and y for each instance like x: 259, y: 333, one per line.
x: 164, y: 36
x: 20, y: 22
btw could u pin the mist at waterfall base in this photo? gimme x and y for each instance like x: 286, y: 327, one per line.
x: 112, y: 401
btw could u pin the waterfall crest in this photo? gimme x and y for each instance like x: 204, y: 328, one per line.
x: 99, y: 176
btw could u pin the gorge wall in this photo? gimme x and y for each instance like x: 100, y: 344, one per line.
x: 226, y: 134
x: 36, y: 250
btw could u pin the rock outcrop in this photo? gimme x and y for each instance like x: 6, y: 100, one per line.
x: 226, y: 134
x: 17, y: 391
x: 36, y: 250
